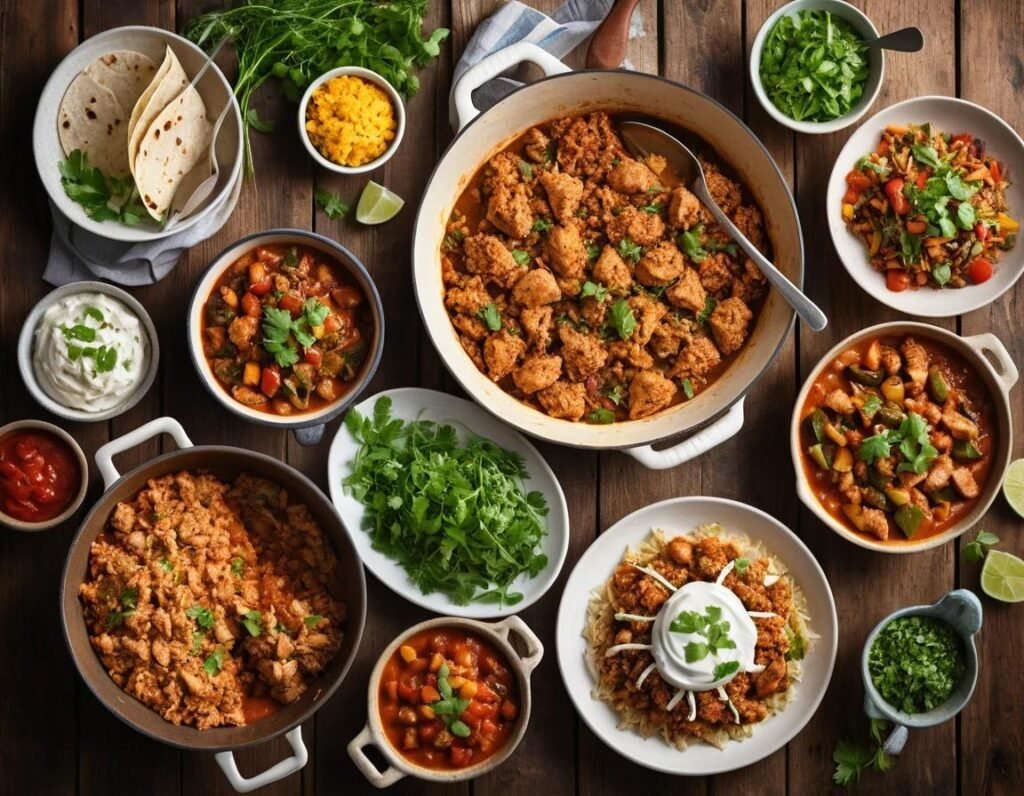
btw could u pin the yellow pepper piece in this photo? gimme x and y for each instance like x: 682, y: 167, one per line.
x: 468, y: 690
x: 251, y: 374
x: 408, y: 653
x: 1007, y: 224
x: 847, y: 211
x: 436, y: 662
x: 318, y: 331
x: 876, y: 243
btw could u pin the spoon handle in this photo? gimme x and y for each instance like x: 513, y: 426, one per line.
x: 905, y: 40
x: 608, y: 46
x: 808, y: 311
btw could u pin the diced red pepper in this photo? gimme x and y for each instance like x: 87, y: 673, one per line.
x: 858, y: 181
x: 251, y: 305
x: 313, y: 357
x: 850, y: 197
x: 981, y: 231
x: 270, y: 381
x: 261, y: 288
x: 290, y: 303
x: 460, y: 756
x: 894, y: 193
x: 995, y: 170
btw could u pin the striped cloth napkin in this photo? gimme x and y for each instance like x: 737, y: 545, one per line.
x: 559, y: 34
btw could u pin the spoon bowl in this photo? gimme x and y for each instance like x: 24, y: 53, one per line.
x: 643, y: 139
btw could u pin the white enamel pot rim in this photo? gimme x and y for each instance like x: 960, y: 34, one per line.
x: 999, y: 379
x: 308, y: 427
x: 564, y: 92
x: 496, y: 633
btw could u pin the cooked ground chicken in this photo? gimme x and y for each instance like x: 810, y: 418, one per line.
x: 200, y: 596
x: 577, y: 247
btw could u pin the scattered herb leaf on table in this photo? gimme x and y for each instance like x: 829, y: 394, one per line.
x: 455, y: 516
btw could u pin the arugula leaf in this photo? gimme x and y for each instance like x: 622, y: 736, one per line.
x: 630, y: 250
x: 253, y: 622
x: 621, y: 319
x: 331, y: 204
x: 491, y: 316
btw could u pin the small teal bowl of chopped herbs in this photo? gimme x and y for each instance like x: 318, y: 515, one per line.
x: 810, y: 68
x: 920, y: 664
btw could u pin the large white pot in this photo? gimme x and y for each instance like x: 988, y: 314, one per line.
x: 564, y: 92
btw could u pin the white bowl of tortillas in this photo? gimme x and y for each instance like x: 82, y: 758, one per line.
x: 127, y: 100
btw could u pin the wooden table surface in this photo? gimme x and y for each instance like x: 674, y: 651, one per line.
x: 54, y: 735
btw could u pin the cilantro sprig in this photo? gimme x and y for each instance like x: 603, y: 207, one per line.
x: 851, y: 758
x: 284, y: 334
x: 977, y: 550
x: 913, y: 440
x: 621, y: 319
x: 330, y: 203
x: 713, y: 629
x: 127, y: 602
x: 103, y: 198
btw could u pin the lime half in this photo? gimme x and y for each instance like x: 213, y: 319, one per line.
x: 377, y: 204
x: 1013, y: 486
x: 1002, y: 577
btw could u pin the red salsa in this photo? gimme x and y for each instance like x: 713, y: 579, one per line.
x: 448, y: 699
x: 286, y: 329
x: 39, y: 475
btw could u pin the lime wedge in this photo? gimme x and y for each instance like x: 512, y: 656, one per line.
x: 377, y: 204
x: 1002, y: 577
x: 1013, y: 486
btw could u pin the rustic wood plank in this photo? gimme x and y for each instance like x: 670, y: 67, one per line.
x: 991, y: 755
x: 867, y: 586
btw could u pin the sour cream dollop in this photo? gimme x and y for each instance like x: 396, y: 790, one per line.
x: 669, y: 647
x: 91, y: 352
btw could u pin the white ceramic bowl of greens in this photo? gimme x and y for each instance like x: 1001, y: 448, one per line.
x: 876, y: 66
x: 412, y: 403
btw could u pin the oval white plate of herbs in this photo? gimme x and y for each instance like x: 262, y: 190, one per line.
x: 385, y: 472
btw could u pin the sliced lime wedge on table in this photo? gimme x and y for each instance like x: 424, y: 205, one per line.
x: 1002, y: 577
x: 377, y: 204
x: 1013, y: 486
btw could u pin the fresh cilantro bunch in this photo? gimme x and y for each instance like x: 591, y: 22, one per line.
x: 103, y: 198
x: 914, y: 443
x: 455, y: 516
x: 852, y: 758
x: 283, y: 334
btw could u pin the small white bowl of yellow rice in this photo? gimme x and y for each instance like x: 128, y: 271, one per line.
x: 351, y: 120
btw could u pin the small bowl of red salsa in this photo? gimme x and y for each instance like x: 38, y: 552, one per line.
x: 286, y: 328
x: 449, y: 700
x: 43, y: 475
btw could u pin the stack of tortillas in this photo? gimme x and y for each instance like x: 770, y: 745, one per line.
x: 129, y: 117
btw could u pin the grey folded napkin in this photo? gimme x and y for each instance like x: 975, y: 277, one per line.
x: 76, y: 254
x: 559, y: 34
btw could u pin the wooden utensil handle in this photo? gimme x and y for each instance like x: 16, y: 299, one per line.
x: 608, y: 46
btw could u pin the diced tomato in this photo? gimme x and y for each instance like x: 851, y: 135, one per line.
x: 858, y: 181
x: 482, y: 710
x: 313, y: 357
x: 980, y: 270
x: 428, y: 731
x: 290, y: 303
x: 332, y: 323
x: 391, y: 689
x: 981, y: 231
x: 485, y: 694
x: 347, y: 297
x: 917, y: 226
x: 509, y: 710
x: 897, y: 280
x: 850, y: 197
x: 407, y: 693
x: 883, y: 146
x: 995, y: 170
x: 894, y: 193
x: 922, y: 178
x: 261, y: 288
x: 270, y: 381
x: 350, y: 340
x: 967, y: 138
x: 488, y: 729
x: 460, y: 756
x: 251, y: 305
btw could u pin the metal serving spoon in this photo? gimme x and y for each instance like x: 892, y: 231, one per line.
x: 643, y: 139
x: 904, y: 40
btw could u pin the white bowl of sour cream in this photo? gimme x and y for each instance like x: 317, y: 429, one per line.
x: 88, y: 352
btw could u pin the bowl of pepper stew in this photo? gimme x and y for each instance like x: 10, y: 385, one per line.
x: 43, y: 475
x: 902, y: 434
x: 449, y: 700
x: 286, y: 328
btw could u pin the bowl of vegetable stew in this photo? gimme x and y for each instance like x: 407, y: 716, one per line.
x: 902, y: 434
x: 449, y: 700
x: 286, y: 328
x: 936, y: 178
x: 809, y: 68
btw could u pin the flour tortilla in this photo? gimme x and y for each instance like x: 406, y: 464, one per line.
x: 172, y: 145
x: 171, y: 80
x: 93, y: 115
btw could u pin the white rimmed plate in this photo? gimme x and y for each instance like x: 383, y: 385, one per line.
x: 410, y: 403
x: 677, y: 516
x: 950, y: 116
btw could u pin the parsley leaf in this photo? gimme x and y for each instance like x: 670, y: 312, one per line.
x: 875, y: 447
x: 601, y: 416
x: 521, y: 257
x: 741, y: 565
x: 725, y: 669
x: 237, y: 566
x: 599, y: 292
x: 977, y: 550
x: 203, y: 616
x: 593, y: 250
x: 253, y: 621
x: 630, y: 251
x: 214, y: 662
x: 526, y: 169
x: 689, y: 242
x: 621, y: 319
x: 312, y: 620
x: 331, y: 204
x: 491, y: 317
x: 541, y: 225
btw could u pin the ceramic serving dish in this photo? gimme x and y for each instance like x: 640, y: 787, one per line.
x: 680, y: 516
x: 308, y: 427
x: 412, y: 403
x: 213, y: 87
x: 398, y: 767
x: 876, y: 58
x: 989, y: 359
x: 26, y: 347
x: 83, y: 471
x: 951, y: 116
x: 562, y: 93
x: 396, y: 103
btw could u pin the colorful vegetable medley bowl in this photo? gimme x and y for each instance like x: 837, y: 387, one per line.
x: 809, y: 68
x: 924, y: 206
x: 286, y: 328
x: 902, y: 435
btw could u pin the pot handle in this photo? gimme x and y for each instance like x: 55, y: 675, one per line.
x: 377, y: 778
x: 991, y: 348
x: 310, y: 435
x: 162, y: 425
x: 492, y: 66
x: 285, y: 768
x: 534, y: 649
x: 692, y: 447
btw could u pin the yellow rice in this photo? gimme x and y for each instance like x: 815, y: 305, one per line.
x: 350, y: 121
